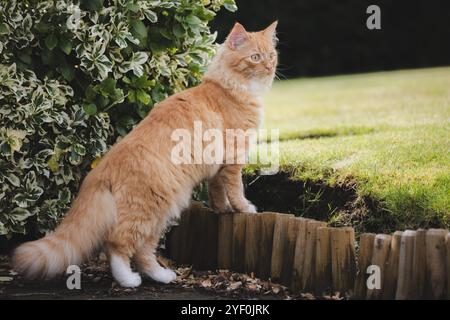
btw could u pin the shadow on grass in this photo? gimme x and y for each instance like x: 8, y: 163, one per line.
x: 323, y: 133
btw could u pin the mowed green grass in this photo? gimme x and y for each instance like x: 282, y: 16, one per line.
x: 386, y: 132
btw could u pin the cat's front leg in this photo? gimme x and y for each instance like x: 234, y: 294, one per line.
x: 217, y: 195
x: 231, y: 176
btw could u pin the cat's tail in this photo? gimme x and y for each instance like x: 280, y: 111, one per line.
x: 84, y: 228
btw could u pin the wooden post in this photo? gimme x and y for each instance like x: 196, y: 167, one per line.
x: 366, y: 242
x: 198, y: 236
x: 173, y: 242
x: 391, y: 270
x: 289, y: 250
x: 280, y: 238
x: 266, y: 243
x: 310, y: 254
x: 447, y: 244
x: 405, y: 283
x: 323, y: 261
x: 211, y: 239
x: 380, y: 255
x: 299, y: 254
x: 436, y: 263
x: 420, y: 264
x: 185, y: 237
x: 252, y: 242
x: 342, y: 259
x: 238, y: 250
x: 350, y: 232
x: 225, y: 241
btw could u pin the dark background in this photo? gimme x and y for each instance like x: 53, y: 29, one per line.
x: 323, y: 37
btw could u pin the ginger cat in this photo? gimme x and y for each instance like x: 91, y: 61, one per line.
x: 126, y: 201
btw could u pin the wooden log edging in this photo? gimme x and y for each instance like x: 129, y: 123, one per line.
x: 380, y: 255
x: 323, y: 260
x: 366, y: 243
x: 307, y: 255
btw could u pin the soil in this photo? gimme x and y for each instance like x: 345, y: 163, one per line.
x: 338, y: 205
x: 97, y: 283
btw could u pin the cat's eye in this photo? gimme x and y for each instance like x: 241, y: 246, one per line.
x: 255, y: 57
x: 272, y: 55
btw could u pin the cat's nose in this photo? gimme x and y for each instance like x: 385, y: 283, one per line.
x: 269, y: 68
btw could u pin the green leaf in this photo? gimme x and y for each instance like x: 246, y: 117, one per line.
x: 79, y: 149
x: 121, y: 130
x: 133, y: 7
x: 47, y: 57
x: 90, y: 93
x: 165, y: 33
x: 24, y: 57
x: 109, y: 86
x: 132, y: 96
x: 67, y: 72
x: 90, y: 109
x: 4, y: 28
x: 206, y: 14
x: 13, y: 179
x: 5, y: 148
x: 230, y: 5
x: 143, y: 97
x: 74, y: 158
x: 157, y: 94
x: 143, y: 110
x: 143, y: 82
x: 101, y: 101
x: 64, y: 195
x: 126, y: 80
x: 193, y: 20
x: 150, y: 15
x: 3, y: 230
x: 127, y: 121
x: 42, y: 27
x: 19, y: 214
x: 53, y: 164
x: 65, y: 45
x: 138, y: 29
x: 178, y: 30
x: 51, y: 41
x: 92, y: 5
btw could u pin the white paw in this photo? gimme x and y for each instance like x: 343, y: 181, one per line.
x: 162, y: 275
x: 132, y: 280
x: 250, y: 208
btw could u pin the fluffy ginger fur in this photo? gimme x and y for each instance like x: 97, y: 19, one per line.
x: 126, y: 201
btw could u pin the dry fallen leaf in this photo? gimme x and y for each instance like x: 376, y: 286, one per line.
x: 6, y: 279
x: 234, y: 285
x: 308, y: 296
x: 206, y: 283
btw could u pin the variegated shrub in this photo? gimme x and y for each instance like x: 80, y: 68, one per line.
x: 74, y: 76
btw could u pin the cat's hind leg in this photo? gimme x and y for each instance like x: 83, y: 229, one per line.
x: 122, y: 273
x: 122, y: 242
x: 147, y: 263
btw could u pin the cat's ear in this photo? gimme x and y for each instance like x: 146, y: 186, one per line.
x: 271, y: 31
x: 238, y: 35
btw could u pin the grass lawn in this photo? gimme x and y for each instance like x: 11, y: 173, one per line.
x: 388, y: 133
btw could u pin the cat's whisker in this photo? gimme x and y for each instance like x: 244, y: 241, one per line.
x: 279, y: 75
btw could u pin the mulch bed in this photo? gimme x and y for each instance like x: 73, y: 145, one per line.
x: 97, y: 283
